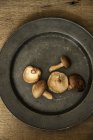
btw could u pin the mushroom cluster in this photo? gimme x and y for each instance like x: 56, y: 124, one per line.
x: 57, y: 82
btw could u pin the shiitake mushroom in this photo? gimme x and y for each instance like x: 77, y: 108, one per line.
x: 76, y: 81
x: 31, y: 74
x: 65, y: 62
x: 58, y: 82
x: 39, y: 89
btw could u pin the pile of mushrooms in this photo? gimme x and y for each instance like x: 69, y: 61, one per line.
x: 57, y: 82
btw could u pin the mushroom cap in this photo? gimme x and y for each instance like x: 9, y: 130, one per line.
x: 76, y: 82
x: 65, y: 61
x: 31, y: 74
x: 38, y: 88
x: 58, y: 82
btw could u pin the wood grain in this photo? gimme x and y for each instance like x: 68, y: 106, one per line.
x: 13, y: 14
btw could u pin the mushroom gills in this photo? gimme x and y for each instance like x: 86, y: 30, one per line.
x: 58, y: 82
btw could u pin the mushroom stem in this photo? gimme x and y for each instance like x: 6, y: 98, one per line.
x: 47, y: 95
x: 55, y: 67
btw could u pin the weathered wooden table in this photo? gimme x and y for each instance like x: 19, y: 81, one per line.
x: 13, y: 14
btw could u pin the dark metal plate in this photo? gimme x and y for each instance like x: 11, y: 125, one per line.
x: 41, y: 43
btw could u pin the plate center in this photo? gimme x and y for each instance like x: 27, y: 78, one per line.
x: 42, y: 51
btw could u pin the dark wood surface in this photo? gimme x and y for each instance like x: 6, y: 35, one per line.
x: 13, y: 14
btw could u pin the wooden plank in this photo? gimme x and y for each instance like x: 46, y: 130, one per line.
x: 13, y: 14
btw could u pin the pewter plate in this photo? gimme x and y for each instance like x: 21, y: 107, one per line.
x: 41, y: 43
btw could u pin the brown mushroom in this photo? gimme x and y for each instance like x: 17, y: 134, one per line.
x: 31, y: 74
x: 76, y: 82
x: 65, y: 62
x: 39, y: 89
x: 58, y: 82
